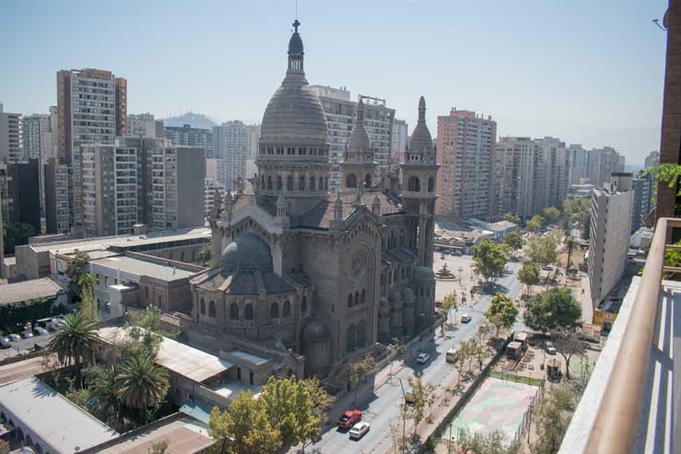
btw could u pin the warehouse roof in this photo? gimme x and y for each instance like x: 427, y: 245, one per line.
x: 29, y: 290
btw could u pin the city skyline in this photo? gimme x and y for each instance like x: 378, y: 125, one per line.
x: 599, y: 65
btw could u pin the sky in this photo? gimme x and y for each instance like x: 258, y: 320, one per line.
x: 588, y: 72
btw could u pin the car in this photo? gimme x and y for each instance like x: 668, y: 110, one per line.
x: 458, y: 253
x: 4, y: 342
x: 452, y: 355
x: 550, y: 349
x: 438, y: 304
x: 40, y: 331
x: 359, y: 430
x: 465, y: 318
x: 55, y: 324
x: 547, y: 268
x: 27, y: 334
x: 349, y: 419
x: 422, y: 358
x: 14, y: 337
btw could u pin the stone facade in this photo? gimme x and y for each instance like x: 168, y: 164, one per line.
x: 324, y: 275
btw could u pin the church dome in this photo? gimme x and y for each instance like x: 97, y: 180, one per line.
x: 421, y: 139
x: 423, y: 274
x: 295, y: 44
x: 247, y: 251
x: 316, y: 331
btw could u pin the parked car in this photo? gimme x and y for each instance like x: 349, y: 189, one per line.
x: 359, y: 430
x: 40, y: 331
x: 4, y: 342
x: 452, y: 355
x: 465, y: 318
x: 55, y: 324
x: 27, y: 334
x: 349, y: 419
x: 14, y: 337
x: 550, y: 349
x: 422, y: 358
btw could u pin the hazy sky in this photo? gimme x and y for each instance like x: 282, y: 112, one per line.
x: 589, y: 72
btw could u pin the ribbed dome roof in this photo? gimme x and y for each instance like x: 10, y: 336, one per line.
x: 420, y: 138
x: 316, y: 331
x: 247, y: 251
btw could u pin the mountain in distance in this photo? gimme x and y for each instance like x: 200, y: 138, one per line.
x: 193, y: 119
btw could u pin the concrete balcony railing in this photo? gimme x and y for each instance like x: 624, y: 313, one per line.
x: 632, y: 401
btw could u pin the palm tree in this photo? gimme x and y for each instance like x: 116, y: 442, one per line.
x: 77, y: 341
x: 205, y: 255
x: 104, y: 390
x: 141, y: 383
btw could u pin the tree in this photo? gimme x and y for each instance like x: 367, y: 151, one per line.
x: 514, y: 241
x: 104, y: 390
x: 555, y: 308
x: 243, y: 428
x: 510, y: 217
x: 159, y: 447
x: 543, y: 250
x: 205, y: 255
x: 567, y: 343
x: 529, y: 274
x: 321, y: 399
x: 464, y: 354
x: 88, y: 306
x: 76, y: 341
x: 359, y: 370
x: 552, y: 214
x: 449, y: 302
x: 290, y: 409
x: 4, y: 446
x: 489, y: 259
x: 570, y: 244
x: 502, y: 312
x: 495, y: 442
x: 552, y: 417
x: 16, y: 235
x: 424, y: 396
x: 534, y: 224
x: 576, y: 210
x: 141, y: 383
x: 76, y: 268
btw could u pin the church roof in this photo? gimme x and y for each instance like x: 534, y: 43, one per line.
x: 359, y: 139
x: 421, y: 138
x: 247, y: 251
x: 245, y: 282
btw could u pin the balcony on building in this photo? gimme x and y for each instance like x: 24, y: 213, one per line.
x: 632, y: 402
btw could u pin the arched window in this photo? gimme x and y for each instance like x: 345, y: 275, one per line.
x: 414, y: 185
x: 280, y: 184
x: 301, y: 183
x: 203, y: 307
x: 303, y: 304
x: 367, y: 180
x: 431, y: 184
x: 234, y: 311
x: 249, y: 312
x: 269, y: 182
x: 262, y: 181
x: 364, y: 296
x: 351, y: 181
x: 356, y: 298
x: 289, y: 183
x: 313, y: 185
x: 274, y: 310
x: 362, y: 333
x: 287, y: 308
x: 211, y: 309
x: 351, y: 338
x: 350, y: 300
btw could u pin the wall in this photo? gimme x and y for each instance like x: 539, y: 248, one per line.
x: 191, y: 172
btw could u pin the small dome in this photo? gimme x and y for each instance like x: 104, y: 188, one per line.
x: 295, y: 44
x: 421, y: 138
x: 316, y: 331
x: 247, y: 250
x: 396, y: 299
x: 383, y: 302
x: 423, y: 274
x: 359, y: 139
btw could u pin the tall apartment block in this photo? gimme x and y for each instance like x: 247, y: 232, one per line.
x: 209, y: 188
x: 643, y: 188
x: 465, y: 151
x: 186, y: 136
x: 577, y: 164
x: 230, y: 143
x: 611, y: 208
x: 10, y: 136
x: 57, y: 184
x: 652, y: 159
x: 91, y: 108
x: 601, y: 163
x: 20, y: 193
x: 517, y: 172
x: 340, y: 112
x: 177, y: 187
x: 144, y: 125
x: 400, y: 134
x: 555, y: 172
x: 252, y: 140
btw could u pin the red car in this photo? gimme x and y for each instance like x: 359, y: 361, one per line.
x: 349, y: 419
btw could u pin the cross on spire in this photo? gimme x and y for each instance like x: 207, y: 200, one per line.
x: 296, y: 24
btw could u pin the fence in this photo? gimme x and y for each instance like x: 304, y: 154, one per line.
x: 526, y: 424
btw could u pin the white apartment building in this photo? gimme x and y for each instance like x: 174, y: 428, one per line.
x: 109, y: 189
x: 400, y: 133
x: 611, y: 209
x: 10, y: 136
x: 57, y: 201
x: 601, y: 163
x: 252, y: 141
x: 340, y: 112
x: 652, y: 159
x: 209, y: 188
x: 465, y: 151
x: 555, y: 160
x: 577, y: 164
x: 231, y: 141
x: 186, y: 136
x: 144, y: 125
x: 517, y: 172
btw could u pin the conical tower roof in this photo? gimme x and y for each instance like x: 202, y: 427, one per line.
x: 421, y: 139
x: 359, y: 139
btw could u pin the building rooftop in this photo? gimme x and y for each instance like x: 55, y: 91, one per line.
x: 257, y: 360
x: 52, y: 417
x: 189, y: 362
x: 29, y: 290
x: 144, y: 268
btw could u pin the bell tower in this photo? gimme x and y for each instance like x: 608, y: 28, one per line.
x: 358, y: 166
x: 419, y: 178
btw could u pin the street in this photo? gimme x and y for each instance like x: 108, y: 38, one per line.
x: 383, y: 408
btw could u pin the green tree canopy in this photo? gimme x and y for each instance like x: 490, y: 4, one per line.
x: 552, y: 417
x: 489, y: 259
x: 448, y: 303
x: 243, y: 428
x: 424, y: 396
x: 552, y: 309
x: 76, y: 341
x: 529, y: 274
x: 141, y: 383
x: 510, y: 217
x: 76, y: 269
x: 514, y: 241
x: 535, y: 223
x: 16, y: 235
x: 567, y: 343
x: 502, y: 307
x: 543, y: 250
x: 552, y: 214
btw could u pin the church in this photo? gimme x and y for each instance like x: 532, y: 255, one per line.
x: 319, y: 274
